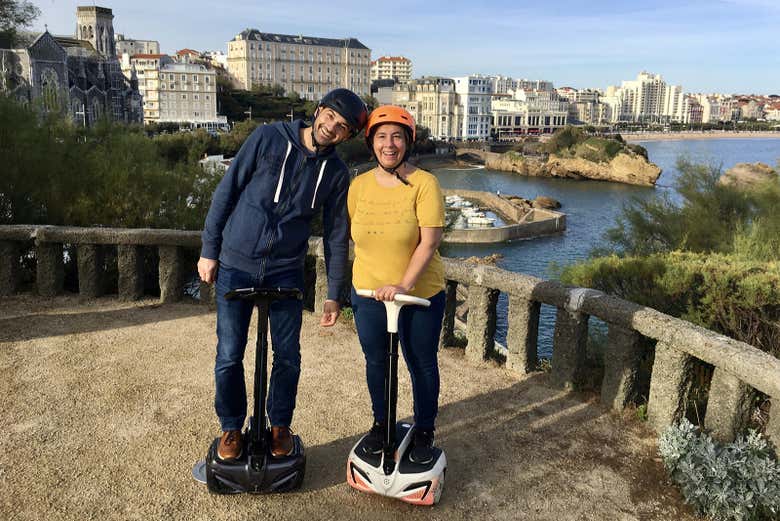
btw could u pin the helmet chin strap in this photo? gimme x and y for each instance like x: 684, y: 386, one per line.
x: 394, y: 170
x: 314, y: 142
x: 317, y: 146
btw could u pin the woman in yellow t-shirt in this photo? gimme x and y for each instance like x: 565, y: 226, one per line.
x: 396, y: 215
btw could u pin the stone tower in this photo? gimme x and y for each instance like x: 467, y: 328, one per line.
x: 96, y: 25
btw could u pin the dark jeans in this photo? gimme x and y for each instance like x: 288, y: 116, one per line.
x: 418, y: 332
x: 233, y: 317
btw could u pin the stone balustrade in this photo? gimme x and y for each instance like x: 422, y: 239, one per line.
x: 739, y: 369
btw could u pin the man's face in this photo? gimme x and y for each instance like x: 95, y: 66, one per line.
x: 330, y: 127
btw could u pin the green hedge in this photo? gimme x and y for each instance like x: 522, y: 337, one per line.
x: 725, y: 293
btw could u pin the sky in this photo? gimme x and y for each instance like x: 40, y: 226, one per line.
x: 723, y: 46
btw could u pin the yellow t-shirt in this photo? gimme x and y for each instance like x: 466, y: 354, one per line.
x: 385, y: 226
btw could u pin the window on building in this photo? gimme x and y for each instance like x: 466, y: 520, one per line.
x: 183, y: 96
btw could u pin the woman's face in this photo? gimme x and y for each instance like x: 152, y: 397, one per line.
x: 390, y: 144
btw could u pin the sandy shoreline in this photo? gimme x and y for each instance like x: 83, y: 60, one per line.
x: 675, y: 136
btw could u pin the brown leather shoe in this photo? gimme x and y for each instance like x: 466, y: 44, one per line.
x: 230, y: 446
x: 281, y: 442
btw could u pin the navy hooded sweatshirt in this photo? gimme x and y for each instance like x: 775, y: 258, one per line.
x: 261, y: 212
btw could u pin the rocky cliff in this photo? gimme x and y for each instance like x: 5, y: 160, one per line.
x: 748, y: 175
x: 625, y: 167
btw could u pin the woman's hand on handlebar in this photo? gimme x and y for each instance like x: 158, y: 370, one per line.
x: 389, y: 292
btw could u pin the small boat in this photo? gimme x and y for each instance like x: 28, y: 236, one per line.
x: 481, y: 220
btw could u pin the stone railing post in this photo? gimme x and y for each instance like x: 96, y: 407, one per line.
x: 10, y: 253
x: 773, y: 427
x: 447, y: 337
x: 728, y: 406
x: 50, y: 270
x: 569, y: 349
x: 669, y: 386
x: 130, y: 267
x: 171, y: 273
x: 208, y: 294
x: 481, y: 324
x: 320, y: 284
x: 90, y: 259
x: 522, y: 335
x: 622, y: 356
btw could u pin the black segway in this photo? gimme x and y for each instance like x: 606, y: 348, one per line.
x: 256, y: 471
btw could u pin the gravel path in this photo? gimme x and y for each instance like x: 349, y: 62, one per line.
x: 106, y: 405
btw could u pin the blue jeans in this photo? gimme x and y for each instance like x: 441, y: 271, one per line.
x: 233, y: 317
x: 418, y: 333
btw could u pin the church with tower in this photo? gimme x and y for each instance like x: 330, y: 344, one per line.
x: 76, y: 75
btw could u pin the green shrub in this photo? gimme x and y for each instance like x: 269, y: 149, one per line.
x: 739, y: 481
x: 726, y: 293
x: 707, y: 219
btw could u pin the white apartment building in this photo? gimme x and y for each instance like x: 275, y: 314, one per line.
x: 146, y: 68
x: 433, y: 103
x: 398, y: 68
x: 217, y: 58
x: 310, y: 66
x: 528, y: 112
x: 504, y: 84
x: 175, y: 92
x: 475, y: 93
x: 692, y: 112
x: 710, y: 106
x: 648, y: 99
x: 131, y: 47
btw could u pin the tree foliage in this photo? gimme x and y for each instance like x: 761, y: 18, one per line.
x: 710, y: 258
x: 734, y: 296
x: 710, y: 217
x: 108, y: 175
x: 15, y: 15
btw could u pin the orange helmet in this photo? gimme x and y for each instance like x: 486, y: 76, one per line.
x: 390, y: 114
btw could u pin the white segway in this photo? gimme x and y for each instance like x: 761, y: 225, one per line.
x: 391, y: 473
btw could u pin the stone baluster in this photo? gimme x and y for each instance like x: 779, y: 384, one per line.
x: 447, y: 337
x: 669, y: 386
x: 10, y: 252
x: 569, y: 349
x: 130, y: 265
x: 50, y: 270
x: 171, y: 272
x: 481, y: 326
x: 90, y: 260
x: 208, y: 294
x: 321, y: 284
x: 728, y: 406
x: 522, y: 335
x: 773, y: 427
x: 622, y: 356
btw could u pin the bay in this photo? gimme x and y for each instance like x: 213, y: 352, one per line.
x: 591, y: 207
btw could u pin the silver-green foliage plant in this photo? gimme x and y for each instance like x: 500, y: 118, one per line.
x: 738, y: 481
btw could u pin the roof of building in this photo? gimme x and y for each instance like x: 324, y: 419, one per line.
x: 392, y: 59
x: 69, y: 41
x: 191, y: 52
x: 146, y: 56
x: 254, y: 34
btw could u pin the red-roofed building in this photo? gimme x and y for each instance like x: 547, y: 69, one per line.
x: 397, y: 68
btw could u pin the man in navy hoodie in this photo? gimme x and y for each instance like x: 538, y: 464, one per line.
x: 256, y: 234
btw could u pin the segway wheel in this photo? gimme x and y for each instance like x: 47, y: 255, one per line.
x: 439, y: 488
